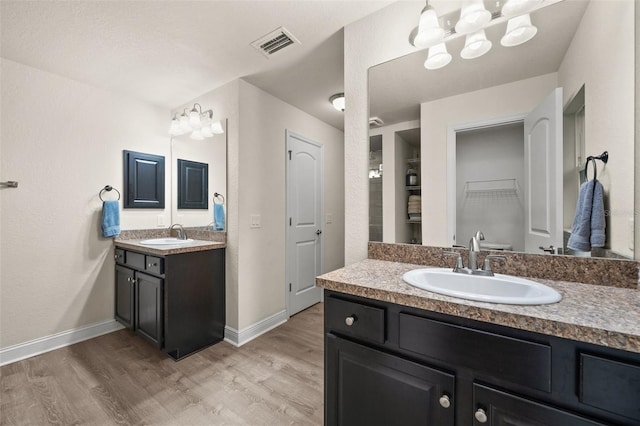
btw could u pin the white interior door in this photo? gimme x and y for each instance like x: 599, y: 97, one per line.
x: 304, y: 222
x: 543, y: 174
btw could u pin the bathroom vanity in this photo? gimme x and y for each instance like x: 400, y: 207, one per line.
x: 174, y: 297
x: 395, y: 354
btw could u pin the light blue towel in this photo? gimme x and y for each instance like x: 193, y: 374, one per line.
x: 218, y: 217
x: 111, y: 218
x: 589, y: 220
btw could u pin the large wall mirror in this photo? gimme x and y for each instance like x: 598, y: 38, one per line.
x: 211, y: 152
x: 451, y: 149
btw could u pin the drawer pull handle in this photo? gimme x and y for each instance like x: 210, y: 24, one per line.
x: 151, y: 265
x: 444, y: 401
x: 350, y: 320
x: 481, y: 416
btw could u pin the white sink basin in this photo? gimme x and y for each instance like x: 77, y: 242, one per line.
x: 165, y: 241
x: 496, y: 289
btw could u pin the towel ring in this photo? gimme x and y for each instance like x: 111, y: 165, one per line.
x: 595, y: 168
x: 218, y: 195
x: 108, y: 188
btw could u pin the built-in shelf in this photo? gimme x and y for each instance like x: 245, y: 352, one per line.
x: 414, y: 220
x: 413, y: 160
x: 413, y: 188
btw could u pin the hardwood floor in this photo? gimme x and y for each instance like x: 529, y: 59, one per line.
x: 276, y: 379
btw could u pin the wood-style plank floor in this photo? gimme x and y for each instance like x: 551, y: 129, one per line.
x: 276, y: 379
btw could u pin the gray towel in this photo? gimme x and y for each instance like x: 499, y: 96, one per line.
x: 589, y: 221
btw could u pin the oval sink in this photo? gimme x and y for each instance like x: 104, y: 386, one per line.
x: 496, y: 289
x: 165, y: 241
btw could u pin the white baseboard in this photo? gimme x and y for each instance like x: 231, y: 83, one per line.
x: 239, y: 338
x: 55, y: 341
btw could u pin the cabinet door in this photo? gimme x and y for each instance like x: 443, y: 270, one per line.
x: 148, y: 304
x: 124, y: 296
x: 364, y: 386
x: 496, y: 408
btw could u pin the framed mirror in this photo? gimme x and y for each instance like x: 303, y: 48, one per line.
x: 212, y: 152
x: 439, y: 125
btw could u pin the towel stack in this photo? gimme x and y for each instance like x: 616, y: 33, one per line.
x: 414, y: 207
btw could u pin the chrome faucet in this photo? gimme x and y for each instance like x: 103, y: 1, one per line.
x: 474, y: 249
x: 180, y: 232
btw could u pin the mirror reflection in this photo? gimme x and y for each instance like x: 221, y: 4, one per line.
x: 468, y: 147
x: 211, y: 151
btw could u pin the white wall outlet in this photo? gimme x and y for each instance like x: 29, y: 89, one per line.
x: 180, y: 219
x: 161, y: 220
x: 631, y: 233
x: 255, y: 221
x: 329, y: 218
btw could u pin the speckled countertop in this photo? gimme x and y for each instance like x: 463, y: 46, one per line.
x: 165, y: 250
x: 606, y: 316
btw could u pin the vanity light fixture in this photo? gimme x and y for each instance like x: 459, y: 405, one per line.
x: 430, y: 32
x: 434, y: 31
x: 338, y: 101
x: 198, y: 123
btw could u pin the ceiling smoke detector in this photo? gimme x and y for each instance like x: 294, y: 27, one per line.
x: 275, y: 42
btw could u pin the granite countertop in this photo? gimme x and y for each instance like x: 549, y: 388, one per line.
x: 165, y: 250
x: 606, y: 316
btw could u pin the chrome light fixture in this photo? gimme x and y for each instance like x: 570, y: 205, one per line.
x: 199, y: 124
x: 430, y: 32
x: 438, y: 57
x: 434, y: 31
x: 475, y: 45
x: 519, y: 30
x: 473, y: 17
x: 338, y: 101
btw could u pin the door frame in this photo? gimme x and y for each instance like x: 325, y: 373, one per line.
x: 288, y: 209
x: 452, y: 131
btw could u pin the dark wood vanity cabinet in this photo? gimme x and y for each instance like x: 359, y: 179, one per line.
x: 391, y: 364
x: 176, y: 302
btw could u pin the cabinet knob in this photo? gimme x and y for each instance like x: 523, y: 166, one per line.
x: 444, y: 401
x: 481, y: 416
x: 152, y: 265
x: 350, y: 320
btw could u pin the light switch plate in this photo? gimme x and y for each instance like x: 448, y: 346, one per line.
x: 161, y: 220
x: 329, y: 218
x: 255, y: 221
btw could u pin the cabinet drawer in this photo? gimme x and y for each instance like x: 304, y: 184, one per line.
x: 354, y: 319
x: 610, y: 385
x: 491, y: 355
x: 154, y: 265
x: 135, y: 260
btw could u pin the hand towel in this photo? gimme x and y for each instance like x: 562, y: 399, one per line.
x: 218, y: 217
x: 111, y: 218
x: 589, y: 220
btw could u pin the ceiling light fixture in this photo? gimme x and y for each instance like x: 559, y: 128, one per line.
x: 199, y: 124
x: 472, y: 19
x: 337, y: 101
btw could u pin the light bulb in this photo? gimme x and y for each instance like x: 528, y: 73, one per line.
x: 517, y: 7
x: 473, y: 17
x: 216, y: 128
x: 174, y: 129
x: 196, y: 135
x: 519, y: 31
x: 194, y: 119
x: 475, y: 45
x: 438, y: 57
x: 429, y: 31
x: 184, y: 124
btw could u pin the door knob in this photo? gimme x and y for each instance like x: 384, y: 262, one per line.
x: 318, y: 232
x: 550, y: 249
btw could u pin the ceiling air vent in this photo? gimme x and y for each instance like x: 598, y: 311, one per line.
x: 275, y: 42
x: 375, y: 122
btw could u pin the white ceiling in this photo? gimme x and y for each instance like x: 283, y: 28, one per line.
x: 170, y: 52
